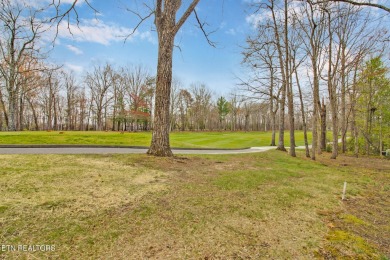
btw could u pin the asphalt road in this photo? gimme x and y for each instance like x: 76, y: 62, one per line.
x: 120, y: 150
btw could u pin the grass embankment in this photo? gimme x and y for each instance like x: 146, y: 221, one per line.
x: 178, y: 139
x: 258, y: 206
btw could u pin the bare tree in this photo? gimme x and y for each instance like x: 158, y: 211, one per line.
x: 260, y: 55
x: 313, y: 34
x: 285, y: 78
x: 100, y: 82
x: 185, y: 102
x: 175, y: 102
x: 70, y: 87
x: 20, y: 33
x: 201, y: 105
x: 136, y: 83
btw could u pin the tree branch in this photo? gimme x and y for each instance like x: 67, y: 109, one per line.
x: 352, y: 2
x: 60, y: 16
x: 142, y: 19
x: 185, y: 16
x: 201, y: 27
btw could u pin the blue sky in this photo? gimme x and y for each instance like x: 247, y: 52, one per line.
x: 101, y: 40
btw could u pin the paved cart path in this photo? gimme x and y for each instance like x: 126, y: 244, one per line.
x: 15, y: 149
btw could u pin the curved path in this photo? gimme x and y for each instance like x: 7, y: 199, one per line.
x: 49, y: 149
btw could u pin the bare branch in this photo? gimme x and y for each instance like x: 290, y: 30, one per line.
x: 65, y: 15
x: 187, y: 13
x: 142, y: 19
x: 206, y: 34
x: 385, y: 8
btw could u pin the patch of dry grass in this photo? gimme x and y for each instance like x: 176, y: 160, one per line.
x: 253, y: 206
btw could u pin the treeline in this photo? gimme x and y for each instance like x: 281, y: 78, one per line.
x: 121, y: 99
x: 37, y: 95
x: 321, y: 63
x: 313, y: 66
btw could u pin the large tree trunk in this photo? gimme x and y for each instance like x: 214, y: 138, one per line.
x: 160, y: 138
x: 167, y: 28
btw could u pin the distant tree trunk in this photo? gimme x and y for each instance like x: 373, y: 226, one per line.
x: 12, y: 107
x: 343, y: 121
x: 50, y: 104
x: 332, y: 91
x: 323, y: 126
x: 273, y: 110
x: 353, y: 99
x: 19, y: 124
x: 303, y: 114
x: 55, y: 109
x: 4, y: 109
x: 34, y: 114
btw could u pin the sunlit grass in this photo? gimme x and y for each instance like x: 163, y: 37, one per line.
x: 211, y: 206
x: 178, y: 139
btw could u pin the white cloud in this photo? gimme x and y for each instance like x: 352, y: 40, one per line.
x: 92, y: 31
x: 45, y: 3
x: 80, y: 2
x: 97, y: 31
x: 231, y: 31
x: 74, y: 67
x: 148, y: 36
x: 74, y: 49
x: 255, y: 19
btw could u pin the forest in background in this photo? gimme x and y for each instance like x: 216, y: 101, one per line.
x: 313, y: 67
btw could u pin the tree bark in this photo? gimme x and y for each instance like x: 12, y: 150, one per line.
x: 284, y: 80
x: 303, y: 114
x: 4, y: 109
x: 289, y: 87
x: 323, y: 126
x: 12, y: 105
x: 332, y: 90
x: 160, y: 145
x: 343, y: 121
x: 167, y: 28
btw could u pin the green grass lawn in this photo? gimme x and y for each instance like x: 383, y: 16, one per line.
x: 178, y: 139
x: 253, y: 206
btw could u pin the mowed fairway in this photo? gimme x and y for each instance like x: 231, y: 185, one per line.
x: 178, y: 139
x: 253, y: 206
